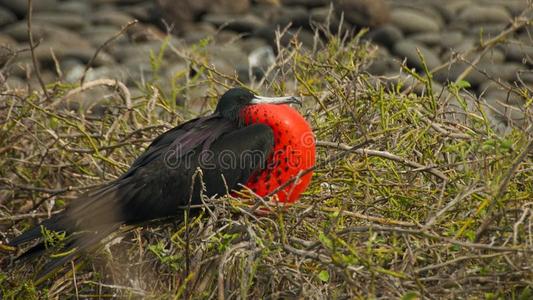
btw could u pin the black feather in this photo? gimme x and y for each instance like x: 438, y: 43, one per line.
x: 154, y: 187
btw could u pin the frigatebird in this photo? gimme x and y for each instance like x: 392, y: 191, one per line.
x: 258, y: 142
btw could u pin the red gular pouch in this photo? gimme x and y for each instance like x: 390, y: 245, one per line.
x: 294, y: 152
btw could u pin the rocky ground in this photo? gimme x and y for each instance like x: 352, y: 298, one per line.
x: 243, y: 32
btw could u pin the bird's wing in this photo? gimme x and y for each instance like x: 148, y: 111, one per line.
x: 152, y: 189
x: 183, y: 139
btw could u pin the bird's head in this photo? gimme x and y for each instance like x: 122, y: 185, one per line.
x: 235, y: 100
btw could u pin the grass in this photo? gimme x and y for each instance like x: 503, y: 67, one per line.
x: 430, y: 207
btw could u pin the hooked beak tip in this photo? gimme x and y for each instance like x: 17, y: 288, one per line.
x: 297, y: 101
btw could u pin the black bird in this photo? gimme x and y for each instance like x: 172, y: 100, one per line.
x: 165, y: 178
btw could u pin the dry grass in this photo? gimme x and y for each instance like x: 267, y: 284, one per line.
x: 428, y: 208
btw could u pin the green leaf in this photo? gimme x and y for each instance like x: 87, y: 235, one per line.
x: 410, y: 296
x: 526, y: 294
x: 462, y: 84
x: 326, y: 241
x: 323, y: 275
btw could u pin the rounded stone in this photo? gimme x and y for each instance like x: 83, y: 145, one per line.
x: 15, y: 83
x: 144, y: 11
x: 474, y: 14
x: 112, y: 72
x: 441, y: 39
x: 297, y: 16
x: 526, y: 76
x: 98, y: 35
x: 6, y: 40
x: 6, y: 17
x: 501, y: 108
x: 492, y: 88
x: 238, y: 23
x: 386, y: 35
x: 183, y: 13
x: 408, y: 49
x: 20, y: 7
x: 367, y: 13
x: 110, y: 17
x: 515, y: 7
x: 308, y: 3
x: 382, y: 66
x: 79, y: 8
x: 198, y: 32
x: 69, y: 21
x: 421, y: 7
x: 7, y: 52
x: 411, y: 21
x: 453, y: 72
x: 321, y: 14
x: 518, y: 51
x: 492, y: 56
x: 248, y: 45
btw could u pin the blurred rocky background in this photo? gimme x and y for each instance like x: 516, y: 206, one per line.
x: 240, y: 36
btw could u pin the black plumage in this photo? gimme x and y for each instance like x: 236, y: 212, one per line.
x: 165, y: 178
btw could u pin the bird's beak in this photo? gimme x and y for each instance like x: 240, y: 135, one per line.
x: 276, y: 100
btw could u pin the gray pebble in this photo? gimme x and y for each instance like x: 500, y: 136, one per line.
x: 144, y: 11
x: 526, y: 76
x: 408, y: 49
x: 386, y: 35
x: 492, y: 88
x: 451, y: 74
x: 308, y: 3
x: 14, y: 82
x: 79, y: 7
x: 382, y: 65
x: 110, y: 17
x: 485, y: 31
x: 504, y: 110
x: 198, y: 32
x: 250, y: 44
x: 321, y: 14
x: 297, y: 16
x: 423, y: 8
x: 20, y: 7
x: 110, y: 72
x: 238, y: 23
x: 364, y: 13
x: 45, y: 31
x: 411, y: 21
x: 230, y: 53
x: 129, y: 52
x: 6, y: 17
x: 447, y: 39
x: 98, y: 35
x: 7, y: 53
x: 518, y: 51
x: 515, y: 7
x: 474, y: 14
x: 458, y: 5
x: 69, y: 21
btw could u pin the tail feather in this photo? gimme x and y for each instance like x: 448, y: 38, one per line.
x: 88, y: 219
x: 78, y: 245
x: 52, y: 224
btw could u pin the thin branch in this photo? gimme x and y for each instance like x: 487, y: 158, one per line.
x: 502, y: 189
x: 107, y: 42
x: 99, y: 82
x: 32, y: 48
x: 386, y: 155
